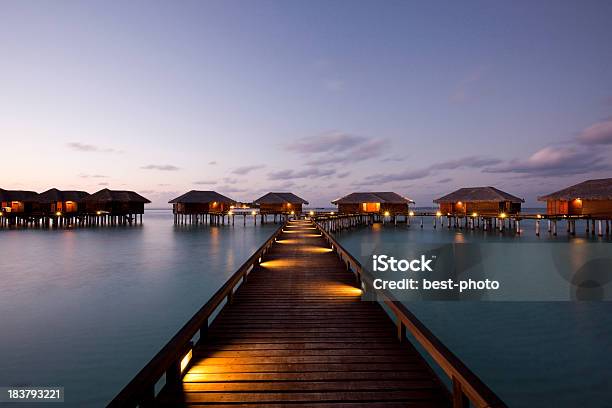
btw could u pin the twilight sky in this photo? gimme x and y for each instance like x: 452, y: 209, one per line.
x: 317, y: 98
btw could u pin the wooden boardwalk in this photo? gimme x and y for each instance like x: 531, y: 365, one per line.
x: 297, y: 333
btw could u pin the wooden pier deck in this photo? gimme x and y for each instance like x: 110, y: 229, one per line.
x: 296, y: 333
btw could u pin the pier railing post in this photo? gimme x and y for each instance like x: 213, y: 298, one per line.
x: 460, y: 400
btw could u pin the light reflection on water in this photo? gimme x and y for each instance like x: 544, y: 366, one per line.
x: 87, y: 308
x: 530, y: 353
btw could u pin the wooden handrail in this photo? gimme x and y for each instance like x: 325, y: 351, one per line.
x: 141, y: 389
x: 465, y: 383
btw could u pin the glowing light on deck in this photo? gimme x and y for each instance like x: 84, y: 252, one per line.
x: 411, y: 214
x: 253, y: 212
x: 539, y: 216
x: 311, y: 213
x: 98, y: 212
x: 502, y: 215
x: 474, y: 214
x: 386, y: 213
x: 438, y: 214
x: 59, y: 214
x: 332, y: 213
x: 230, y: 213
x: 186, y: 359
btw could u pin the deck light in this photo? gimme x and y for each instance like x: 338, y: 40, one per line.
x: 98, y: 212
x: 538, y: 216
x: 459, y: 203
x: 474, y: 214
x: 186, y: 359
x: 502, y: 215
x: 311, y: 213
x: 411, y: 213
x: 438, y: 214
x: 1, y: 213
x: 230, y: 213
x: 292, y: 212
x: 332, y: 213
x: 59, y: 214
x: 386, y: 213
x: 253, y: 213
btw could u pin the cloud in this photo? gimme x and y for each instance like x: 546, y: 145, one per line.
x: 555, y: 161
x: 337, y: 148
x: 83, y: 147
x: 473, y: 162
x: 598, y: 134
x: 231, y: 189
x: 399, y: 176
x: 343, y: 174
x: 212, y: 163
x: 103, y: 184
x: 205, y: 182
x: 469, y: 162
x: 230, y: 180
x: 92, y: 176
x: 247, y: 169
x: 312, y: 172
x: 329, y: 142
x: 445, y: 180
x: 161, y: 167
x: 462, y: 93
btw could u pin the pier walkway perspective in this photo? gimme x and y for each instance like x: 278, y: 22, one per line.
x: 290, y: 328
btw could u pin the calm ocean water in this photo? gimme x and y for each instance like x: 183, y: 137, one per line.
x: 86, y: 309
x: 547, y: 354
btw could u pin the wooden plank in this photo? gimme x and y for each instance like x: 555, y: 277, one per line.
x: 297, y: 333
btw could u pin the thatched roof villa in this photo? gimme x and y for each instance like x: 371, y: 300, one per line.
x: 590, y: 198
x: 373, y: 203
x: 18, y: 201
x: 63, y: 201
x: 116, y: 202
x: 201, y: 202
x: 486, y: 201
x: 280, y: 203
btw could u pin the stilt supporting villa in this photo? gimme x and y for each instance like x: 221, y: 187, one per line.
x: 201, y: 207
x: 282, y: 205
x: 115, y: 207
x: 591, y: 199
x: 383, y: 203
x: 18, y: 208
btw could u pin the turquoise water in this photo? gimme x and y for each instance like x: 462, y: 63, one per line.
x: 88, y: 308
x: 549, y: 354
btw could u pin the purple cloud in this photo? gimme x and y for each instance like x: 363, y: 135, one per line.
x: 161, y: 167
x: 312, y: 172
x: 598, y: 134
x: 473, y: 162
x: 554, y: 161
x: 205, y: 182
x: 247, y: 169
x: 337, y: 147
x: 84, y: 147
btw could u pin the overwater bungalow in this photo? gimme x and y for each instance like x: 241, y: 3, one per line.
x: 389, y: 203
x: 116, y: 203
x: 202, y: 202
x: 18, y: 202
x: 62, y: 202
x: 481, y: 201
x: 280, y: 203
x: 591, y: 198
x: 196, y: 206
